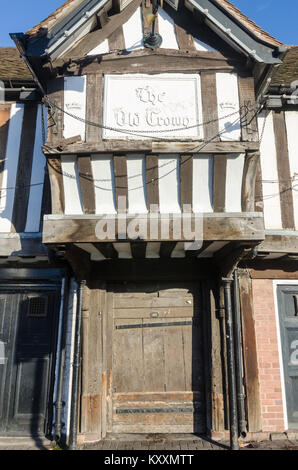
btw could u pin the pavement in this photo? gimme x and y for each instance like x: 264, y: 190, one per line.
x: 150, y: 443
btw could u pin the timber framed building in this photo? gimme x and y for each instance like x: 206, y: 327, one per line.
x: 148, y: 225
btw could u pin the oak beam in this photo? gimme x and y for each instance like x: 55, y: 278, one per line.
x: 148, y: 145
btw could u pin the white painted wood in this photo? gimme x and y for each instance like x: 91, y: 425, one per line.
x: 292, y: 133
x: 137, y: 106
x: 227, y: 103
x: 104, y: 185
x: 271, y: 196
x: 234, y: 176
x: 102, y: 48
x: 124, y: 250
x: 95, y: 255
x: 37, y: 176
x: 11, y: 166
x: 202, y: 183
x: 136, y: 174
x: 179, y: 251
x: 74, y: 103
x: 211, y: 249
x: 133, y: 31
x: 152, y: 249
x: 166, y: 28
x: 169, y: 184
x: 202, y: 46
x: 72, y: 194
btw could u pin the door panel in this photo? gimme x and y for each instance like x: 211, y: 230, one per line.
x: 158, y: 383
x: 288, y: 314
x: 26, y: 380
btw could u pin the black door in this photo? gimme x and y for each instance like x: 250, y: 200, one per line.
x: 288, y: 315
x: 28, y: 320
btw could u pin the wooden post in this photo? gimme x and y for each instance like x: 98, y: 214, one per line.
x: 249, y: 181
x: 251, y: 374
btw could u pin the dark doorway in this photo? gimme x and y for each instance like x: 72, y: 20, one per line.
x: 28, y: 330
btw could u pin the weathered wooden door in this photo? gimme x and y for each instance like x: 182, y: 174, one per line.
x: 27, y: 337
x: 158, y: 382
x: 288, y: 315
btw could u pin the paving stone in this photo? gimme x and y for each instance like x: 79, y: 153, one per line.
x: 276, y: 436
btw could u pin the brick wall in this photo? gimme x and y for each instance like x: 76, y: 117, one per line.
x: 268, y: 358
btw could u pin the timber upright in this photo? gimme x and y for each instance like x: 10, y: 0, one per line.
x: 159, y: 116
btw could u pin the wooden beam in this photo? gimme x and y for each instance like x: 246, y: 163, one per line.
x: 98, y: 36
x: 116, y: 40
x: 56, y: 183
x: 219, y: 183
x: 279, y: 244
x: 284, y: 173
x: 121, y: 185
x: 55, y: 116
x: 166, y: 249
x: 209, y: 104
x: 94, y: 107
x: 86, y: 184
x: 249, y: 181
x: 186, y: 169
x: 247, y: 101
x: 148, y: 145
x: 138, y: 249
x: 251, y: 368
x: 79, y: 229
x: 107, y: 250
x: 23, y: 179
x: 159, y: 60
x: 152, y: 190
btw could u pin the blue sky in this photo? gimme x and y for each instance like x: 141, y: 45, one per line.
x: 21, y: 15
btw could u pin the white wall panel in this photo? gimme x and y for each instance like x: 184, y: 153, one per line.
x: 136, y: 184
x: 228, y: 103
x: 272, y: 210
x: 133, y: 31
x: 166, y: 28
x: 104, y: 186
x: 234, y: 176
x: 11, y: 166
x: 74, y: 103
x: 169, y: 184
x: 202, y: 46
x: 202, y: 183
x: 102, y: 48
x: 72, y: 196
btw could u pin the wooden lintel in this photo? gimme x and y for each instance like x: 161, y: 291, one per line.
x: 279, y: 244
x: 216, y: 227
x: 114, y: 146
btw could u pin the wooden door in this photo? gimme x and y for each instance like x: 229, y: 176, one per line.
x: 28, y: 331
x: 158, y: 382
x: 288, y: 315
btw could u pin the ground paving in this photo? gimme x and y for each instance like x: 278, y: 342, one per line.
x: 149, y: 443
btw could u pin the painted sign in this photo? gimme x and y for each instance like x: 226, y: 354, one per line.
x: 152, y: 106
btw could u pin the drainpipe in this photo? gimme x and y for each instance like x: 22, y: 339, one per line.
x: 59, y: 403
x: 238, y: 359
x: 231, y: 365
x: 76, y: 370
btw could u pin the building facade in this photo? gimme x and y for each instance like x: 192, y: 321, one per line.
x: 149, y: 224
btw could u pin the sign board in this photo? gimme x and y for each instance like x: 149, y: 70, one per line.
x: 138, y: 106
